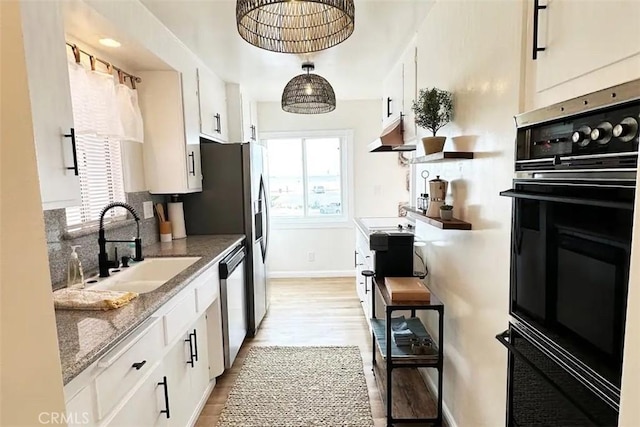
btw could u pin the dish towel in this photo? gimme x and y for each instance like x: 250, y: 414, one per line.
x: 400, y: 332
x: 91, y: 299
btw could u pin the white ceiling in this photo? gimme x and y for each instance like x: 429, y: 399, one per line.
x: 355, y: 68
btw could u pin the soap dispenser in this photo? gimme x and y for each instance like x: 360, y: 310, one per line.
x: 75, y: 276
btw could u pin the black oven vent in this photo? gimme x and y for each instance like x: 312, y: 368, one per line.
x: 621, y: 162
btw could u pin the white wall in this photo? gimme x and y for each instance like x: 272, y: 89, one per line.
x: 473, y: 48
x: 379, y: 184
x: 31, y: 377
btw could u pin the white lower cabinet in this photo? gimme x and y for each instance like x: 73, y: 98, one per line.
x: 161, y: 373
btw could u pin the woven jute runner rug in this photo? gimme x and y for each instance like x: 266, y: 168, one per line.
x: 299, y: 386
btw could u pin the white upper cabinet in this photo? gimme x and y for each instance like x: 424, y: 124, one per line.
x: 243, y: 114
x: 410, y: 91
x: 392, y: 95
x: 168, y: 100
x: 588, y: 45
x: 48, y: 77
x: 213, y: 106
x: 254, y: 120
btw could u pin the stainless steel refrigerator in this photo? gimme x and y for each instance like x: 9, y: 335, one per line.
x: 234, y: 201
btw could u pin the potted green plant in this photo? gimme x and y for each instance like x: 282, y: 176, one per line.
x: 446, y: 212
x: 433, y: 109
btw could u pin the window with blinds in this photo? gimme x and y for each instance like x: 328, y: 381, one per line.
x: 98, y: 131
x: 101, y: 180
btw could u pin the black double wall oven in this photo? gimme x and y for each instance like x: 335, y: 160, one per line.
x: 573, y: 202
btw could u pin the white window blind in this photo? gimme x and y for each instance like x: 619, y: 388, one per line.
x: 101, y: 181
x: 98, y: 135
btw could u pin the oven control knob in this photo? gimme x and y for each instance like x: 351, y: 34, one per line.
x: 602, y: 134
x: 626, y: 130
x: 581, y: 136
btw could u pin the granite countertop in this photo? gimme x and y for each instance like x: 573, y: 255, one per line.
x: 368, y: 225
x: 84, y: 336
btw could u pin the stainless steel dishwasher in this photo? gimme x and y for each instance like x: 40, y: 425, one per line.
x: 234, y: 304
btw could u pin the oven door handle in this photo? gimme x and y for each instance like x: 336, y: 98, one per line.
x: 572, y: 200
x: 504, y: 338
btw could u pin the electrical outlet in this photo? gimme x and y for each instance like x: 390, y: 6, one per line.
x: 147, y: 208
x: 311, y: 256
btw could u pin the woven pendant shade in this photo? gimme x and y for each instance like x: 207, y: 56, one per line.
x: 308, y: 94
x: 295, y: 26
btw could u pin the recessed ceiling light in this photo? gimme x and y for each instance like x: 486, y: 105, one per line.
x: 109, y: 42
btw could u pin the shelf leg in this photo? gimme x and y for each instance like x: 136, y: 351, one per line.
x: 440, y: 361
x: 389, y: 368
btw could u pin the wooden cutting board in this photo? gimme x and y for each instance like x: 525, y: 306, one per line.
x: 404, y: 289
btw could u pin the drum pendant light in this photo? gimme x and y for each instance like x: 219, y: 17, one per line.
x: 308, y: 93
x: 295, y: 26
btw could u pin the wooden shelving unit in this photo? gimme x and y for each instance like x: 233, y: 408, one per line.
x: 443, y: 156
x: 401, y: 384
x: 452, y: 224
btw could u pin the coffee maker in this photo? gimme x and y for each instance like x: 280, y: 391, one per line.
x: 437, y: 195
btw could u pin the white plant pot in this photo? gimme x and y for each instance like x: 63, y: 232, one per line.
x: 433, y: 144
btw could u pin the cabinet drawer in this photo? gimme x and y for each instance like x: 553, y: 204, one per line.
x: 179, y: 317
x: 208, y: 288
x: 121, y: 375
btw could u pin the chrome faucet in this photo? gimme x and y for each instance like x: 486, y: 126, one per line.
x: 103, y: 258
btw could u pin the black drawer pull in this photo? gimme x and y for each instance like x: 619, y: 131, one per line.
x: 192, y: 156
x: 195, y: 345
x: 389, y: 107
x: 191, y: 358
x: 218, y: 123
x: 537, y: 7
x: 166, y: 397
x: 139, y: 365
x: 72, y: 135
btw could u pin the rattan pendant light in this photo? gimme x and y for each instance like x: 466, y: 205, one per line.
x: 308, y: 93
x: 295, y: 26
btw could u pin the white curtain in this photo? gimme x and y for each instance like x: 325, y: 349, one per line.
x: 97, y: 115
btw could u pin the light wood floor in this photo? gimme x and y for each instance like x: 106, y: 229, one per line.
x: 305, y: 312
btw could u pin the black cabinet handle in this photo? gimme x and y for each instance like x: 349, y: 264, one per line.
x: 191, y: 359
x: 218, y: 123
x: 72, y: 135
x: 192, y: 156
x: 166, y: 397
x: 195, y: 345
x: 355, y: 258
x: 253, y: 132
x: 388, y: 107
x: 138, y: 365
x: 536, y: 10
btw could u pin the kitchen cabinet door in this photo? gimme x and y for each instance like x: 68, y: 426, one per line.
x: 191, y: 128
x: 200, y: 372
x: 168, y: 100
x: 410, y: 92
x: 50, y: 96
x: 178, y: 371
x: 254, y: 120
x: 246, y: 117
x: 581, y: 37
x: 213, y: 106
x: 215, y: 350
x: 145, y: 406
x: 392, y: 91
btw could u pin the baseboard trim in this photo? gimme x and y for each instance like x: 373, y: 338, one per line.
x: 312, y: 274
x: 446, y: 413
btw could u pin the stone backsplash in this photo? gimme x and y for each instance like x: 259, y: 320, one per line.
x: 59, y: 241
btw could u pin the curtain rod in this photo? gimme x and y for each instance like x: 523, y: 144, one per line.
x: 121, y: 73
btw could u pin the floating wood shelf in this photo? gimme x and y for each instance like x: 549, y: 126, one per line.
x: 452, y: 224
x: 443, y: 156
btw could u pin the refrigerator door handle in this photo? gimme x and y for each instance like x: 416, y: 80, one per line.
x: 265, y: 239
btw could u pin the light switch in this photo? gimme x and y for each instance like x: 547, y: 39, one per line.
x: 147, y: 207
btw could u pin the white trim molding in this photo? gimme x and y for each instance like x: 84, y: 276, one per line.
x: 311, y: 274
x: 446, y: 413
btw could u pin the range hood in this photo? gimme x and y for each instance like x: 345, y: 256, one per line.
x: 391, y: 139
